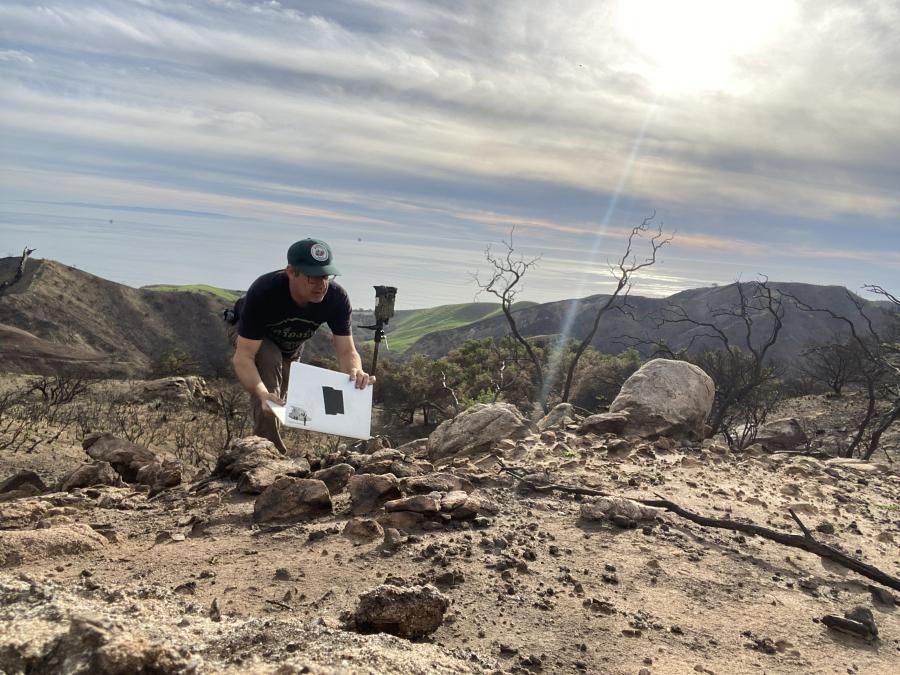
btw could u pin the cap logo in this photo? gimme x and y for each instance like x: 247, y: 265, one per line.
x: 319, y: 252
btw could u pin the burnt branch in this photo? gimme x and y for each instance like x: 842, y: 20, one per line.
x: 805, y: 542
x: 20, y: 270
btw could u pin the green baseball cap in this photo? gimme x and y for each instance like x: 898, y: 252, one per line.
x: 312, y: 257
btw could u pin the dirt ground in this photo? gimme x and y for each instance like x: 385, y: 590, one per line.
x: 535, y: 588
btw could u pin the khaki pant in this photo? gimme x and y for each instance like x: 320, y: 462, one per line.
x: 274, y: 370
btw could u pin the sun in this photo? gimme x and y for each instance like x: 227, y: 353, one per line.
x: 687, y: 46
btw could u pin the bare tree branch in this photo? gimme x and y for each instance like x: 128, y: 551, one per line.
x: 804, y: 542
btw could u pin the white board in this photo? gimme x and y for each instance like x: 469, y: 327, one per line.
x: 325, y: 401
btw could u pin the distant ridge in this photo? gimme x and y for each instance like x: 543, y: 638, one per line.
x: 411, y: 324
x: 61, y: 318
x: 203, y: 289
x: 801, y: 329
x: 58, y: 317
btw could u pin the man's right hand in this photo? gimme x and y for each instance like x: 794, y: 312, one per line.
x: 268, y: 396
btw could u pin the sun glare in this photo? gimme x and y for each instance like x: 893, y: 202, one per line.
x: 687, y: 46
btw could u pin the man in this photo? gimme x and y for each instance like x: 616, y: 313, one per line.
x: 282, y: 310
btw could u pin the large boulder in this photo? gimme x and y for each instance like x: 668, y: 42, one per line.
x: 124, y: 456
x: 406, y: 612
x: 370, y: 491
x: 91, y: 473
x: 477, y: 428
x: 254, y: 462
x: 160, y: 475
x: 783, y: 434
x: 24, y: 483
x: 335, y: 477
x: 666, y: 398
x: 292, y: 500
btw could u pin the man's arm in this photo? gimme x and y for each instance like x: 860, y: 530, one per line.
x: 244, y: 362
x: 349, y: 361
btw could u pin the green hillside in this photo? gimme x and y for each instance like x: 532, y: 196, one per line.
x: 225, y: 294
x: 408, y: 325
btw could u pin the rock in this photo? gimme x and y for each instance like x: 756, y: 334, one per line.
x: 401, y: 468
x: 476, y: 428
x: 559, y: 415
x: 378, y: 458
x: 254, y: 462
x: 460, y: 505
x: 666, y: 398
x: 291, y: 499
x: 453, y: 500
x: 401, y: 520
x: 22, y: 546
x: 335, y: 477
x: 620, y: 507
x: 23, y: 483
x: 411, y: 612
x: 392, y: 539
x: 619, y: 447
x: 91, y: 473
x: 783, y: 434
x: 435, y: 482
x: 160, y: 475
x: 882, y: 595
x: 858, y: 622
x: 417, y: 504
x: 865, y: 617
x: 173, y: 390
x: 95, y: 646
x: 124, y: 456
x: 362, y: 530
x: 604, y: 423
x: 368, y: 491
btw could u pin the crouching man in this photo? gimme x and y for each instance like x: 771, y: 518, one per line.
x: 280, y: 312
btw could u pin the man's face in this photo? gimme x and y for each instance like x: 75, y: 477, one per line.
x: 306, y: 288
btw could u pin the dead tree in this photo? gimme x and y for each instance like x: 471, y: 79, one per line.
x: 509, y: 271
x: 20, y: 270
x: 504, y: 284
x: 832, y: 365
x: 878, y: 370
x: 622, y: 272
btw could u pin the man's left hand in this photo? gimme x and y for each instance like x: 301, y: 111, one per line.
x: 362, y: 378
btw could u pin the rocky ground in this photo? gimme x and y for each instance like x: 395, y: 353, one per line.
x: 246, y: 571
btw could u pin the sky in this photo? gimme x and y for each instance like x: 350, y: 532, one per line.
x: 192, y: 142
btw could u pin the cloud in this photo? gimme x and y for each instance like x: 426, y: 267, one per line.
x: 463, y: 120
x: 15, y: 56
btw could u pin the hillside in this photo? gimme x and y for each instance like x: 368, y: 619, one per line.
x: 203, y: 289
x: 409, y: 325
x: 58, y: 317
x: 618, y: 330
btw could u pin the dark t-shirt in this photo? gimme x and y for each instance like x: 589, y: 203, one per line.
x: 268, y: 311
